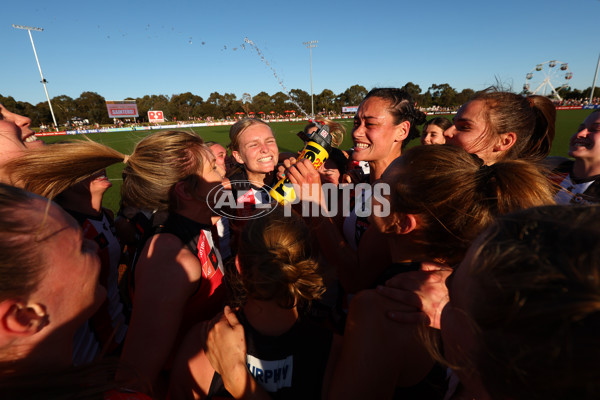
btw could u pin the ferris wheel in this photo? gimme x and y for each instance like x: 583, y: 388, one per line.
x: 548, y: 78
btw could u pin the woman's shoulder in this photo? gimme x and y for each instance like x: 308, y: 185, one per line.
x: 165, y: 249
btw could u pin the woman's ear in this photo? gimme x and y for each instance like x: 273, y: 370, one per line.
x: 400, y: 223
x: 505, y: 141
x: 237, y: 156
x: 18, y: 319
x: 182, y: 192
x: 401, y: 131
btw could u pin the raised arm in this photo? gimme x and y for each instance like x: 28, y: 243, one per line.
x: 355, y: 270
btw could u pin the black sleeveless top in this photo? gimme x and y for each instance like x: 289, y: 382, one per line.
x: 289, y: 366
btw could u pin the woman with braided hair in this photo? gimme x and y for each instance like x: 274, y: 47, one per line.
x: 385, y: 122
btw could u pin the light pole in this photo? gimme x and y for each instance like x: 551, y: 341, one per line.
x: 594, y: 83
x: 29, y: 29
x: 311, y: 45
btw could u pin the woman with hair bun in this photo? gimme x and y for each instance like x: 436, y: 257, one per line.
x: 275, y: 279
x: 502, y: 126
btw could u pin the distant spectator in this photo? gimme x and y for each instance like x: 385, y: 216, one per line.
x: 579, y: 179
x: 433, y: 131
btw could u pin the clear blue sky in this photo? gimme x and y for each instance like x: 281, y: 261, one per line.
x: 125, y: 49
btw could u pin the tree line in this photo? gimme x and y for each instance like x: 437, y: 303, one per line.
x: 187, y: 106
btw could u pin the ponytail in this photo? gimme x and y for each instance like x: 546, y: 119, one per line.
x: 456, y: 195
x: 540, y: 142
x: 157, y: 163
x: 531, y: 118
x: 50, y: 170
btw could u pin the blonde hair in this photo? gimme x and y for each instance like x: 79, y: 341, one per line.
x: 276, y: 262
x: 158, y: 162
x: 239, y: 127
x: 21, y: 260
x: 50, y: 170
x: 336, y: 130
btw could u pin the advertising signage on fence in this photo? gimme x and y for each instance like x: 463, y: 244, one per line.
x: 352, y: 109
x: 155, y: 116
x: 591, y: 106
x: 568, y: 107
x: 122, y: 109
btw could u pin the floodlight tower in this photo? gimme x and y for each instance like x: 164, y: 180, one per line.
x: 29, y: 29
x: 310, y: 45
x: 594, y: 83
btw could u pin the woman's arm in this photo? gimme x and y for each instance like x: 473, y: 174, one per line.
x: 377, y: 354
x: 355, y: 270
x: 418, y: 296
x: 192, y: 372
x: 226, y: 350
x: 166, y: 276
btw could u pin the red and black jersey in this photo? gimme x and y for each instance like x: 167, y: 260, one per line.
x: 106, y: 329
x: 208, y: 299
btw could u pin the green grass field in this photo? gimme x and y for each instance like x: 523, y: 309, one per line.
x: 567, y: 122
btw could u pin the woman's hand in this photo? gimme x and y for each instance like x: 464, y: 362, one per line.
x: 422, y: 294
x: 226, y: 345
x: 354, y: 176
x: 226, y: 351
x: 306, y: 181
x: 281, y: 167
